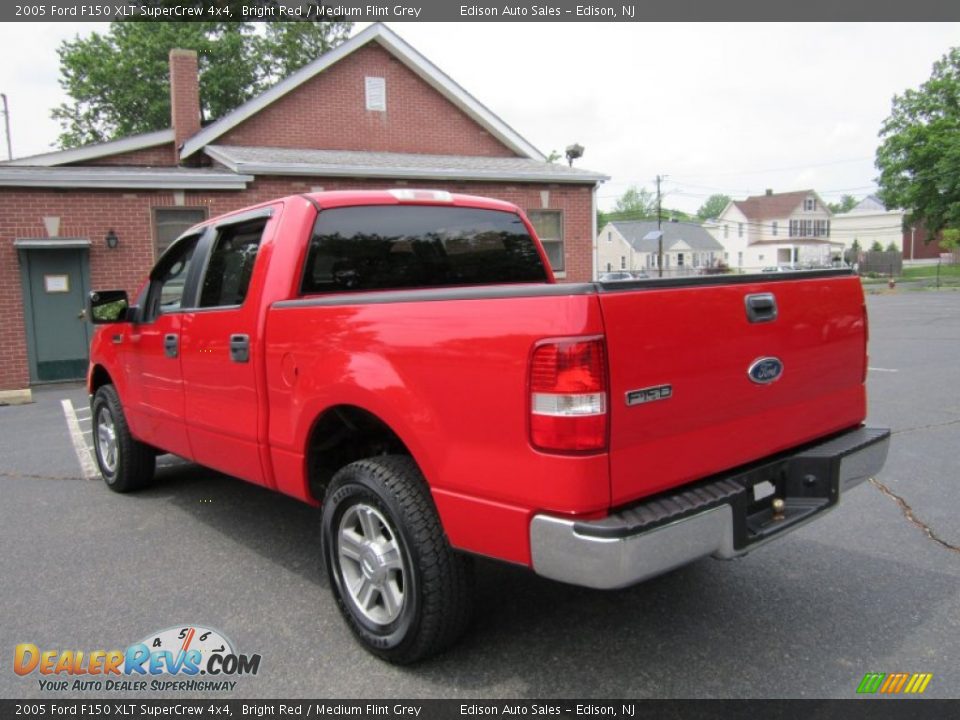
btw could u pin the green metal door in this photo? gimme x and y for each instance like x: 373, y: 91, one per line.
x: 55, y: 291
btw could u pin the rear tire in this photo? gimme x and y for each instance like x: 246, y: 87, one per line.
x: 404, y: 592
x: 125, y: 463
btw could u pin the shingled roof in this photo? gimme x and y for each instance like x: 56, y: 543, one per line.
x: 693, y: 235
x: 774, y: 205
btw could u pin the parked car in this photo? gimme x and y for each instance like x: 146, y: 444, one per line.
x: 405, y: 360
x: 616, y: 276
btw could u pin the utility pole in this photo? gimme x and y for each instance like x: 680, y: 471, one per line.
x: 660, y: 241
x: 6, y: 120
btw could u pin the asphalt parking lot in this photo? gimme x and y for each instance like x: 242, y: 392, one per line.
x: 872, y: 587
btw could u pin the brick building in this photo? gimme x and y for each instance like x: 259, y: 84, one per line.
x: 372, y: 113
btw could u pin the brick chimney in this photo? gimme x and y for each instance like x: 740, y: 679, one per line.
x: 184, y: 97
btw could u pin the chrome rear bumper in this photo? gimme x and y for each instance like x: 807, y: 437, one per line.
x: 719, y: 517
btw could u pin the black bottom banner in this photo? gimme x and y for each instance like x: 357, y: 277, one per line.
x: 914, y: 709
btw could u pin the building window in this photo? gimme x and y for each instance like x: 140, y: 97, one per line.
x: 376, y: 88
x: 739, y: 259
x: 739, y: 229
x: 679, y: 259
x: 623, y: 262
x: 805, y: 228
x: 609, y: 267
x: 169, y: 223
x: 549, y: 227
x: 609, y: 236
x: 726, y: 232
x: 810, y: 204
x: 774, y: 228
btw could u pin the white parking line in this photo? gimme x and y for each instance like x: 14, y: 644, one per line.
x: 873, y: 369
x: 87, y: 466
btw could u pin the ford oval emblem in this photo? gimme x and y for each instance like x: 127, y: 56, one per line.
x: 765, y: 370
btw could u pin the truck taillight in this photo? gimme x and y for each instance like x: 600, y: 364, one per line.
x: 568, y: 395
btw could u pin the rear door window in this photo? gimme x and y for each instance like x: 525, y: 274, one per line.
x: 230, y: 267
x: 387, y: 247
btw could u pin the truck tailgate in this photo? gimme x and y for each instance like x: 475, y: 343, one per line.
x: 683, y: 403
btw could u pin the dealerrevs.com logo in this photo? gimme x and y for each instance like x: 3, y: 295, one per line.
x: 187, y: 658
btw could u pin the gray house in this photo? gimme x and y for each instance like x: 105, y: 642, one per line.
x: 687, y: 247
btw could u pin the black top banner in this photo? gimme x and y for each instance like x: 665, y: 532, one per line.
x: 480, y: 10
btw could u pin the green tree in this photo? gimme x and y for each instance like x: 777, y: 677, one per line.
x: 635, y: 204
x: 950, y: 241
x: 846, y: 204
x: 919, y: 156
x: 119, y: 81
x: 713, y: 206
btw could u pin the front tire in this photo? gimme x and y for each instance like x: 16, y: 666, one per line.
x: 404, y: 592
x: 125, y: 463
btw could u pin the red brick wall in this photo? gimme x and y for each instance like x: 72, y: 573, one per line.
x: 159, y: 156
x: 329, y: 112
x: 90, y: 214
x: 922, y: 250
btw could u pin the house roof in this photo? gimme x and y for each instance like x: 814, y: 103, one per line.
x: 350, y: 163
x: 773, y: 206
x: 871, y: 203
x: 97, y: 150
x: 122, y: 177
x: 694, y: 235
x: 407, y: 55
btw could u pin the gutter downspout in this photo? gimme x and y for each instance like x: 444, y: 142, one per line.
x: 593, y: 224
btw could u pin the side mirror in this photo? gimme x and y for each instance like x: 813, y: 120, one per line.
x: 108, y: 306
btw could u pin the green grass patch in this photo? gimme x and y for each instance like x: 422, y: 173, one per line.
x: 930, y: 271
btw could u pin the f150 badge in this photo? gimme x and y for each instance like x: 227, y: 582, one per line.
x: 645, y: 395
x: 765, y: 370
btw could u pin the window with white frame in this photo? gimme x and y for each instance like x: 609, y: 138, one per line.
x: 623, y: 262
x: 726, y: 231
x: 549, y: 227
x: 810, y: 204
x: 774, y: 228
x: 739, y: 229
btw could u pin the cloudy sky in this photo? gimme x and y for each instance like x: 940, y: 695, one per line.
x: 733, y: 108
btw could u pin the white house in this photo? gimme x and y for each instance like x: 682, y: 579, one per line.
x: 687, y: 247
x: 870, y: 222
x: 792, y: 229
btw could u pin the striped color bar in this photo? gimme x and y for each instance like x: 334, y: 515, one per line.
x: 895, y: 683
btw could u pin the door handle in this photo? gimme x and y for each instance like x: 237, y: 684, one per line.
x: 82, y: 314
x: 240, y: 348
x: 761, y: 307
x: 171, y: 345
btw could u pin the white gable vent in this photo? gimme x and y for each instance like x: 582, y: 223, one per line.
x: 376, y: 94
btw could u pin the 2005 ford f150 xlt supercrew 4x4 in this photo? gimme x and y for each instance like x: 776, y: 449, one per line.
x: 405, y: 360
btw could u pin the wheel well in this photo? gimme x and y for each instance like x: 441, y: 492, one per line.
x: 100, y: 378
x: 342, y: 435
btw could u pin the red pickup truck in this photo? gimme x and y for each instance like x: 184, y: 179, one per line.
x: 405, y: 360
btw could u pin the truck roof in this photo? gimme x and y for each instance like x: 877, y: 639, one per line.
x: 406, y: 196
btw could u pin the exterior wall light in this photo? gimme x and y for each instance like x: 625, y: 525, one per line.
x: 112, y: 240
